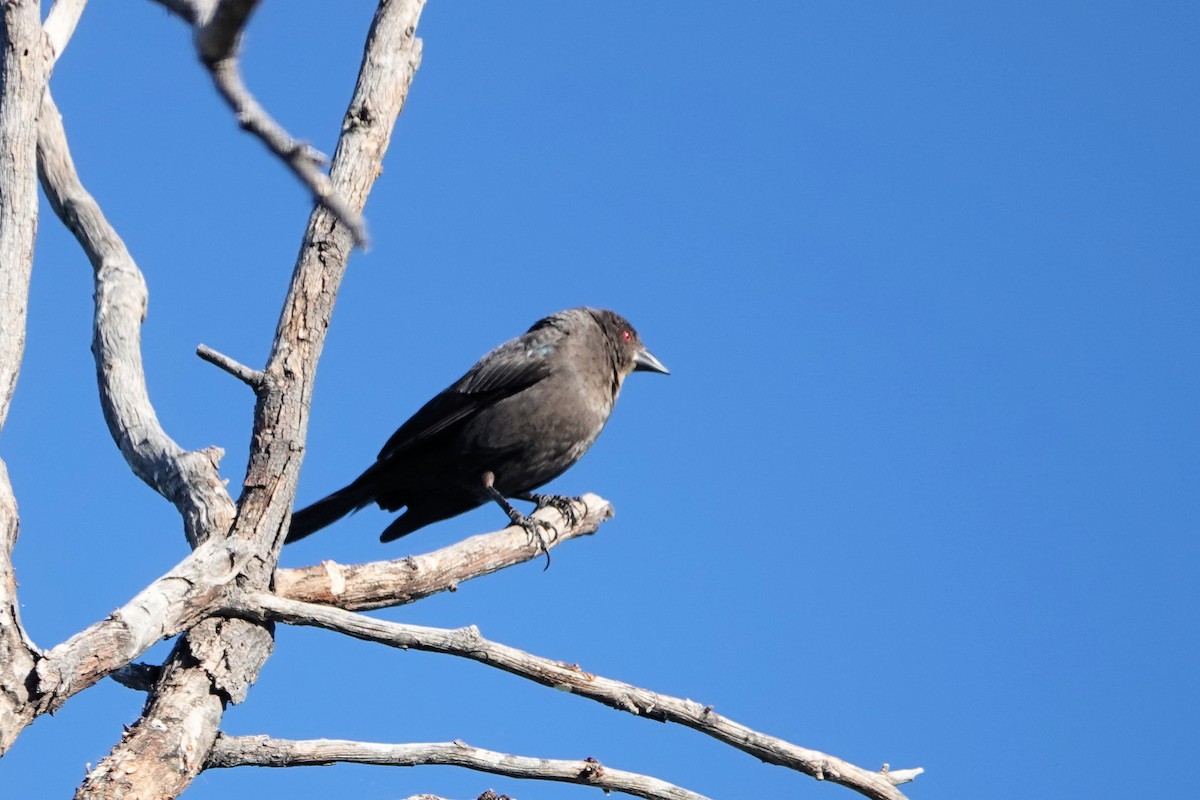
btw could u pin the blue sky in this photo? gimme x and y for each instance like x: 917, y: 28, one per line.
x: 922, y: 487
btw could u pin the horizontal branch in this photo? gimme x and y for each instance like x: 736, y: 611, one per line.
x: 381, y: 584
x: 469, y: 643
x: 263, y: 751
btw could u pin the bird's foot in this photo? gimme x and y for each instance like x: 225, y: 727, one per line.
x: 533, y: 529
x: 560, y: 503
x: 533, y: 526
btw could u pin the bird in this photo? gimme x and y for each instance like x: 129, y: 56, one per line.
x: 525, y: 413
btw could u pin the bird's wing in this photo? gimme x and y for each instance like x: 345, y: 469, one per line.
x: 510, y: 368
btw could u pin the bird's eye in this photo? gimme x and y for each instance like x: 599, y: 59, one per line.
x: 626, y: 334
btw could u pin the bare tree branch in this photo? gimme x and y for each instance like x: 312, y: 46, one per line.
x: 22, y: 78
x: 23, y: 73
x: 219, y: 658
x: 390, y: 583
x: 235, y: 550
x: 221, y: 31
x: 253, y: 378
x: 60, y: 25
x: 169, y: 605
x: 380, y: 584
x: 189, y: 479
x: 217, y: 33
x: 469, y: 643
x: 263, y: 751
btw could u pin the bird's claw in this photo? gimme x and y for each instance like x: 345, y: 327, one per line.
x: 560, y: 503
x: 533, y: 528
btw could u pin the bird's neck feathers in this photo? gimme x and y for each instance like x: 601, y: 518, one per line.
x: 614, y: 365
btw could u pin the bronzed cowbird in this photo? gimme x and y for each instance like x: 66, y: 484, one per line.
x: 520, y: 417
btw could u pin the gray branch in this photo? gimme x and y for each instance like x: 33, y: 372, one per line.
x: 380, y: 584
x: 469, y: 643
x: 189, y: 479
x: 60, y: 25
x: 253, y: 378
x: 263, y: 751
x: 22, y: 78
x: 217, y: 27
x: 217, y: 660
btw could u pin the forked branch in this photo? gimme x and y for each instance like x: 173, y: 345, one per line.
x: 218, y: 659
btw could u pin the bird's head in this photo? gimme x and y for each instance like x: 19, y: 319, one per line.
x: 631, y: 354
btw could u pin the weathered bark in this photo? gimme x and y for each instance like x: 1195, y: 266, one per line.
x: 263, y: 751
x: 188, y: 478
x: 380, y: 584
x: 221, y: 594
x: 470, y: 643
x: 215, y: 663
x: 22, y: 76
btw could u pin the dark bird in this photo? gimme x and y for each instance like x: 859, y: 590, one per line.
x: 518, y: 419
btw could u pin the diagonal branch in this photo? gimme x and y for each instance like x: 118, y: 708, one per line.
x: 218, y: 659
x: 380, y: 584
x: 164, y: 609
x: 263, y: 751
x: 60, y: 25
x: 169, y: 605
x: 469, y: 643
x: 300, y: 157
x: 217, y: 27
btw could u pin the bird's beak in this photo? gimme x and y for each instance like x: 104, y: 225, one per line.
x: 645, y: 361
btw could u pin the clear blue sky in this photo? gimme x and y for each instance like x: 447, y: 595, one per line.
x: 922, y: 487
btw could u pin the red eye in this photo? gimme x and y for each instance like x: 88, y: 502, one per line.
x: 626, y: 335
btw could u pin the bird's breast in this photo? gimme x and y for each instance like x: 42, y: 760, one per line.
x: 533, y: 436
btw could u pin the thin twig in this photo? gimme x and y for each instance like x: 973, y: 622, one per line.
x: 251, y: 377
x: 263, y: 751
x: 304, y: 162
x: 218, y: 40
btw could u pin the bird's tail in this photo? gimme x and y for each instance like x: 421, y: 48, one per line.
x: 328, y: 510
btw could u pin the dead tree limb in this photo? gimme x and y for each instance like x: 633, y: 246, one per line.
x: 469, y: 643
x: 263, y: 751
x: 218, y: 659
x: 22, y: 78
x: 189, y: 479
x: 217, y: 27
x: 380, y: 584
